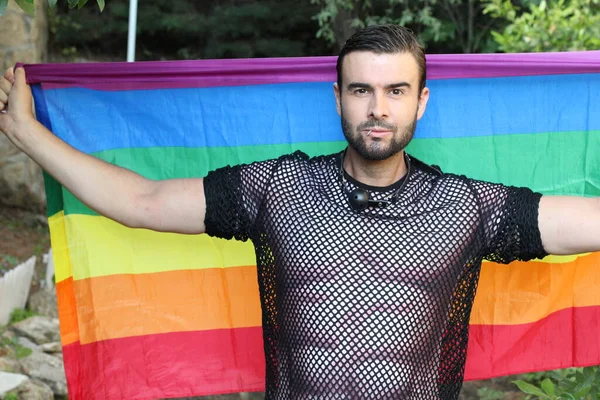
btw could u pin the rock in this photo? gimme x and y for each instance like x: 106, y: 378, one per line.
x: 48, y: 369
x: 14, y: 27
x: 9, y: 335
x: 8, y: 364
x: 54, y: 347
x: 33, y: 389
x: 22, y: 341
x: 34, y: 220
x: 39, y: 329
x: 21, y: 180
x: 10, y: 381
x: 44, y: 302
x: 22, y: 38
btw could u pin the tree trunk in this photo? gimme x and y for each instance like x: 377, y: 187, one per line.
x: 341, y: 28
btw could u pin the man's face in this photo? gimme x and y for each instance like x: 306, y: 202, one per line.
x: 380, y: 94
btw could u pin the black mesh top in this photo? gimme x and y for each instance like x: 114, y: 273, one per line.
x: 369, y: 304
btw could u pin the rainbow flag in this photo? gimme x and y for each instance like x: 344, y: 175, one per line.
x: 153, y: 315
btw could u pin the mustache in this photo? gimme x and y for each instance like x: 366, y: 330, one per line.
x: 376, y: 124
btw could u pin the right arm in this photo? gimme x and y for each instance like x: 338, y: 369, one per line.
x: 175, y: 205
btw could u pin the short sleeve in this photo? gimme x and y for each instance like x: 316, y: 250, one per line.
x: 509, y: 222
x: 233, y: 198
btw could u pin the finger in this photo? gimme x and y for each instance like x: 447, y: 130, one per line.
x: 9, y: 74
x: 3, y: 97
x: 5, y: 85
x: 4, y: 121
x: 20, y: 79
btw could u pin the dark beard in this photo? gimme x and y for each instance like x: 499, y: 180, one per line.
x: 376, y: 151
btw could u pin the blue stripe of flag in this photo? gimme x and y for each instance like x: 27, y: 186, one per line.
x: 93, y: 120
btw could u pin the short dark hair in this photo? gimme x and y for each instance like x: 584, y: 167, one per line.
x: 381, y: 39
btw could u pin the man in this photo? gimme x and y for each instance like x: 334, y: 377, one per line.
x: 368, y: 260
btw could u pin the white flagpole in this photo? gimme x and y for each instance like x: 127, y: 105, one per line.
x: 133, y: 7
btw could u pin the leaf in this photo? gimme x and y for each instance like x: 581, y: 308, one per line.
x: 530, y: 389
x: 23, y: 352
x: 3, y: 4
x: 27, y: 6
x: 567, y: 396
x: 100, y: 5
x: 581, y: 394
x: 548, y: 386
x: 81, y: 4
x: 590, y: 375
x: 52, y: 3
x: 73, y: 3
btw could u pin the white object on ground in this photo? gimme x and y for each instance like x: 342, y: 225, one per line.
x: 14, y: 289
x: 49, y: 261
x: 10, y: 381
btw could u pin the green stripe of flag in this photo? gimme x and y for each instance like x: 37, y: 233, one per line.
x: 551, y: 163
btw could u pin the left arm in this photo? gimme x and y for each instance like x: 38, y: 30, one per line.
x: 569, y: 224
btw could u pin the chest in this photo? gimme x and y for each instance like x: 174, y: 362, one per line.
x: 316, y: 241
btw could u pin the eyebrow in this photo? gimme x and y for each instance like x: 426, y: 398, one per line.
x: 360, y: 85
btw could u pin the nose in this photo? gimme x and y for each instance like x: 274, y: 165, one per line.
x: 379, y: 106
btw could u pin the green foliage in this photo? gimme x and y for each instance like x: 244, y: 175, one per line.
x: 550, y: 25
x: 22, y: 351
x: 11, y: 396
x: 19, y: 315
x: 183, y: 29
x: 7, y: 262
x: 442, y: 25
x: 486, y: 393
x: 573, y: 383
x: 3, y: 4
x: 29, y: 6
x: 14, y: 346
x: 11, y: 345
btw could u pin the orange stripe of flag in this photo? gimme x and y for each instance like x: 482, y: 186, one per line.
x: 113, y: 306
x: 118, y: 306
x: 67, y: 312
x: 525, y: 292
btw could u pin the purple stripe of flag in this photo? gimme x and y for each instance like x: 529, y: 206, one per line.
x: 236, y: 72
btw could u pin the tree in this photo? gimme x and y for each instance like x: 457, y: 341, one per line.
x: 29, y: 7
x: 442, y: 25
x: 185, y: 29
x: 551, y: 25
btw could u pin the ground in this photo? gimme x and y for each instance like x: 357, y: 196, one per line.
x: 23, y: 234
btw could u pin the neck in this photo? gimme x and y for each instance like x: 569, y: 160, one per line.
x: 375, y: 173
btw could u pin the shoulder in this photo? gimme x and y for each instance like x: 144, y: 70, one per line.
x: 442, y: 187
x: 300, y: 161
x: 434, y: 176
x: 301, y: 158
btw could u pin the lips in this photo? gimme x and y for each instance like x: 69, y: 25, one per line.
x: 376, y: 133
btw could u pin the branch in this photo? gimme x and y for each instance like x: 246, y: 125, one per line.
x: 470, y: 25
x: 483, y: 33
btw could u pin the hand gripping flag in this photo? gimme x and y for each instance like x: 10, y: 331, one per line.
x: 150, y: 315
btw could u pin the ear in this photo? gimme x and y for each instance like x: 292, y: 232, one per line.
x: 338, y: 98
x: 422, y: 104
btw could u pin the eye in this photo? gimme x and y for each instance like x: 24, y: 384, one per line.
x: 360, y: 91
x: 397, y: 92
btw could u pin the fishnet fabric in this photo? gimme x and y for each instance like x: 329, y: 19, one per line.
x: 369, y: 304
